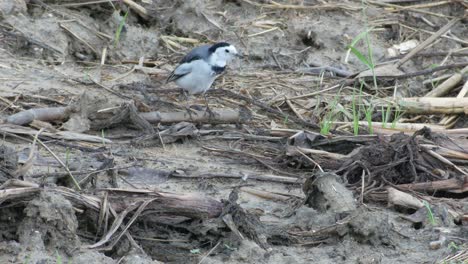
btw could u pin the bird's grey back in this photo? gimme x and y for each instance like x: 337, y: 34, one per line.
x: 198, y: 53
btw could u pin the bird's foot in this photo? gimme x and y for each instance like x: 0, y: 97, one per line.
x: 211, y: 115
x: 190, y: 111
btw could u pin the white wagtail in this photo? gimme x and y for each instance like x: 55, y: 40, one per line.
x: 197, y: 71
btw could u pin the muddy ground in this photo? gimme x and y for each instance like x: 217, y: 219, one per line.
x: 51, y: 56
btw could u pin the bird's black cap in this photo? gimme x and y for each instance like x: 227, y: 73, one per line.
x: 214, y: 47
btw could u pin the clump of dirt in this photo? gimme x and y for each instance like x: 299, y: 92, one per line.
x: 376, y: 232
x: 8, y: 162
x: 325, y: 193
x: 51, y: 218
x: 46, y: 224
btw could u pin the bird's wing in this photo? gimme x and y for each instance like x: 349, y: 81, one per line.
x: 198, y: 53
x: 185, y: 66
x: 181, y: 70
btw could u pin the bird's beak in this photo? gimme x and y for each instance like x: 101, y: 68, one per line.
x: 238, y: 55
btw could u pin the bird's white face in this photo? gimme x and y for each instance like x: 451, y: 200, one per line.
x: 224, y: 55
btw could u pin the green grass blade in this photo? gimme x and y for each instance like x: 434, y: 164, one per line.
x: 355, y: 116
x: 361, y: 57
x: 360, y: 36
x: 430, y: 215
x: 119, y: 29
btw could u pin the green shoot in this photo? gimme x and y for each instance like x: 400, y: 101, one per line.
x: 369, y: 46
x: 26, y: 261
x: 58, y: 258
x: 359, y: 37
x: 434, y: 84
x: 355, y: 115
x: 386, y: 115
x: 327, y: 121
x: 365, y: 59
x: 453, y: 246
x: 119, y: 30
x: 87, y: 77
x: 195, y: 251
x: 229, y: 247
x: 430, y: 215
x: 285, y: 120
x: 361, y: 57
x: 371, y: 60
x: 398, y: 114
x: 382, y: 111
x: 325, y: 125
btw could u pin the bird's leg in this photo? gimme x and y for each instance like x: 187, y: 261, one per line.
x: 187, y: 106
x: 211, y: 114
x: 189, y: 112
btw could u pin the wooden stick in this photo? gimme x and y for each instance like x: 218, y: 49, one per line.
x: 258, y: 177
x: 397, y: 127
x: 62, y: 113
x: 275, y: 5
x: 448, y: 84
x: 449, y: 119
x: 294, y: 110
x: 322, y: 153
x: 63, y: 135
x: 447, y: 153
x: 138, y: 8
x: 428, y: 41
x: 428, y: 105
x: 31, y: 158
x: 444, y: 160
x: 266, y: 195
x: 396, y: 197
x: 454, y: 185
x: 43, y: 114
x: 398, y: 7
x: 224, y: 116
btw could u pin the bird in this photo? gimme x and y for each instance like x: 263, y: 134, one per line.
x: 198, y: 69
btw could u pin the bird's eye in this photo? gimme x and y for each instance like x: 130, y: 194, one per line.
x: 226, y: 50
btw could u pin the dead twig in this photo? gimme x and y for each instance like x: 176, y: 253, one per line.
x: 453, y: 185
x: 311, y: 160
x: 77, y: 185
x: 209, y: 252
x: 138, y: 8
x: 428, y: 41
x: 30, y: 161
x: 416, y: 10
x: 444, y: 161
x: 428, y: 105
x: 269, y: 195
x: 449, y: 84
x: 258, y: 177
x: 79, y: 38
x: 275, y: 5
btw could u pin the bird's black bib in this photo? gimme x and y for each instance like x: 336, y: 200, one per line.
x: 217, y: 69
